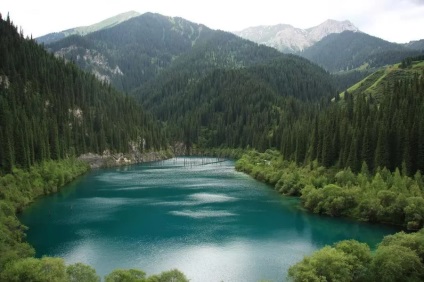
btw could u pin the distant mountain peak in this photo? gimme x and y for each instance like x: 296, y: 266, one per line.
x: 330, y: 26
x: 287, y: 38
x: 83, y: 30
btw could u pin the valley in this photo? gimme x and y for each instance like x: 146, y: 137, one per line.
x: 337, y: 120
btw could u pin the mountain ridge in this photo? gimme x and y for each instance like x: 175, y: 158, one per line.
x: 356, y: 50
x: 287, y: 38
x: 209, y: 88
x: 84, y: 30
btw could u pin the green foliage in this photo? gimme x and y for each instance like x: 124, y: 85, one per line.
x: 386, y: 197
x: 79, y: 272
x: 50, y: 109
x: 361, y: 131
x: 19, y: 189
x: 327, y: 264
x: 397, y: 258
x: 49, y: 269
x: 37, y: 270
x: 168, y: 276
x: 125, y: 275
x: 134, y: 275
x: 331, y: 199
x: 237, y: 108
x: 377, y: 83
x: 344, y: 80
x: 396, y: 263
x: 412, y: 241
x: 359, y: 257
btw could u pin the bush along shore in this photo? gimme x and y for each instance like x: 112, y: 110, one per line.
x: 382, y: 196
x: 17, y: 262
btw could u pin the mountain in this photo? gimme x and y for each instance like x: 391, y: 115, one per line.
x: 133, y: 52
x: 83, y: 30
x: 50, y: 109
x: 237, y: 107
x: 415, y: 45
x: 337, y: 46
x: 209, y: 88
x: 352, y: 50
x: 287, y: 38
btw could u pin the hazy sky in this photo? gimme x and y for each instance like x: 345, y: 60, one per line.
x: 393, y: 20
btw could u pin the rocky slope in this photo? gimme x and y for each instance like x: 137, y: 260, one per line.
x: 287, y: 38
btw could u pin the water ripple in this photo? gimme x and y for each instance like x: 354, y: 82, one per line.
x: 202, y: 213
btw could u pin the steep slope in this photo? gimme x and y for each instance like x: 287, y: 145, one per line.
x: 376, y: 126
x: 83, y: 30
x: 287, y: 38
x: 350, y: 50
x: 217, y: 50
x: 385, y: 79
x: 209, y: 88
x: 50, y: 109
x: 132, y: 52
x: 135, y: 52
x: 238, y: 107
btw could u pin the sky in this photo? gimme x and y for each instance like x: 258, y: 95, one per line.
x: 393, y: 20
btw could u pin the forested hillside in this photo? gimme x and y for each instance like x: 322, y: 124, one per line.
x: 209, y: 88
x: 383, y: 130
x: 50, y: 109
x: 133, y: 52
x: 246, y: 107
x: 351, y: 50
x: 362, y: 156
x: 363, y: 159
x: 380, y: 82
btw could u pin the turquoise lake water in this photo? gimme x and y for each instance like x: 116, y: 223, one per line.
x: 209, y: 221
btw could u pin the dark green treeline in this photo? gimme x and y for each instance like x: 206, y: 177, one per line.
x: 388, y: 132
x: 385, y: 132
x: 239, y: 108
x: 272, y: 107
x: 49, y: 109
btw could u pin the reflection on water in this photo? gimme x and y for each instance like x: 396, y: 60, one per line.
x: 207, y: 220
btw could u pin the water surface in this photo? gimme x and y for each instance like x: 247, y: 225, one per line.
x: 207, y: 220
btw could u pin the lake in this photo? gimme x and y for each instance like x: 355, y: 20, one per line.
x: 195, y: 214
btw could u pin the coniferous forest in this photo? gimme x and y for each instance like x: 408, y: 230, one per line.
x: 357, y: 153
x: 50, y: 109
x: 50, y: 113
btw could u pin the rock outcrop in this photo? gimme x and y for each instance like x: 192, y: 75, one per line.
x: 108, y: 159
